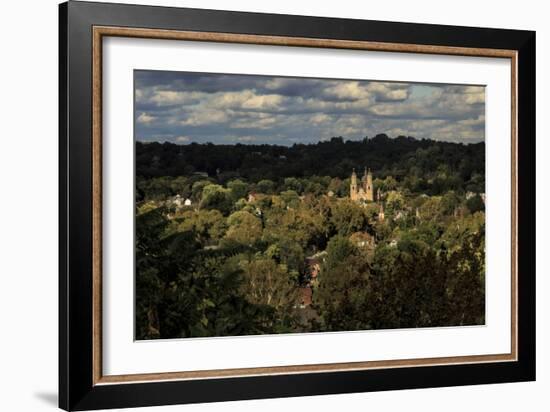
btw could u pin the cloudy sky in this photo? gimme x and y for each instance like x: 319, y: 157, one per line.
x: 183, y: 107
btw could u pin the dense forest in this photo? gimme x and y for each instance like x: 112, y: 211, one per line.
x: 422, y: 165
x: 258, y: 239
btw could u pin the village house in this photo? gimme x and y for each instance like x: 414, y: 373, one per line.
x: 177, y: 201
x: 305, y: 292
x: 362, y: 240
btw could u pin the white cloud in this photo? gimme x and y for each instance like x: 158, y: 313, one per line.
x: 247, y: 138
x: 204, y: 117
x: 246, y: 99
x: 265, y: 102
x: 475, y: 96
x: 169, y: 97
x: 144, y: 118
x: 319, y: 118
x: 262, y: 122
x: 389, y: 91
x: 274, y: 109
x: 348, y: 91
x: 183, y: 139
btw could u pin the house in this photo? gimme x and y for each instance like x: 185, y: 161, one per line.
x: 362, y: 240
x: 177, y: 201
x: 314, y: 264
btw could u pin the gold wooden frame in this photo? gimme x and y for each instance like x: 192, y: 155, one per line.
x: 102, y: 31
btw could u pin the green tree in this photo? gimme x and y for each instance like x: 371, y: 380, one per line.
x: 475, y: 204
x: 408, y: 287
x: 268, y: 283
x: 338, y: 249
x: 265, y: 186
x: 183, y: 293
x: 156, y: 271
x: 197, y: 188
x: 290, y: 197
x: 244, y: 228
x: 208, y: 225
x: 239, y: 189
x: 389, y: 184
x: 216, y: 197
x: 449, y: 202
x: 288, y: 252
x: 348, y: 217
x: 394, y: 201
x: 336, y: 186
x: 466, y: 281
x: 343, y: 287
x: 292, y: 183
x: 431, y: 209
x: 180, y: 185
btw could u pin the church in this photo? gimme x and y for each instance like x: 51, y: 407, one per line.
x: 363, y: 191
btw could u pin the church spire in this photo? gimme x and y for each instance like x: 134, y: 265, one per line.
x: 381, y: 215
x: 364, y: 190
x: 369, y: 192
x: 353, y: 186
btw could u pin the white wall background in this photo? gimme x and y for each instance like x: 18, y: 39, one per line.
x: 28, y: 204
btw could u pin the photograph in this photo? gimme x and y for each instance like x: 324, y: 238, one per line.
x: 261, y: 205
x: 280, y: 205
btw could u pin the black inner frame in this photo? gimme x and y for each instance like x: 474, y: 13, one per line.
x: 76, y: 388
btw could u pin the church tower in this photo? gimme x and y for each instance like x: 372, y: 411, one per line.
x: 353, y: 186
x: 364, y: 190
x: 367, y: 185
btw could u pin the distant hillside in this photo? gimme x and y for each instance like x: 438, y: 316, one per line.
x: 400, y: 157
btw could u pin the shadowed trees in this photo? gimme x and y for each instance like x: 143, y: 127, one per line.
x: 269, y: 230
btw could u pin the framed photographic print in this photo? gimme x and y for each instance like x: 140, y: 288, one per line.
x: 257, y: 205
